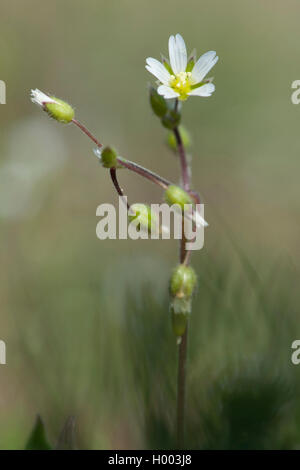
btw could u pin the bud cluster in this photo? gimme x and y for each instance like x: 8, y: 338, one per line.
x: 182, y: 285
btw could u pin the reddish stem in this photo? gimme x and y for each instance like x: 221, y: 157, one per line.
x: 87, y: 132
x: 150, y: 175
x: 183, y: 161
x: 113, y: 175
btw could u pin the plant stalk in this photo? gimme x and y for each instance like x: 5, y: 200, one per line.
x: 185, y: 171
x: 113, y: 175
x: 183, y: 345
x: 181, y: 388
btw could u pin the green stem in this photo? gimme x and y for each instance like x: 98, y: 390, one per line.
x: 181, y: 388
x: 184, y: 258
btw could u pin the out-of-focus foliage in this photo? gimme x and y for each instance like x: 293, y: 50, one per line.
x: 38, y: 439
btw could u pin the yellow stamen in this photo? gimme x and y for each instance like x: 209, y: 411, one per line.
x: 182, y: 84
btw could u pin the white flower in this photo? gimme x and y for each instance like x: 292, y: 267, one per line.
x: 40, y: 98
x: 181, y: 79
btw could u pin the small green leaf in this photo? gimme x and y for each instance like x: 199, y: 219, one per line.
x: 158, y: 103
x: 38, y: 439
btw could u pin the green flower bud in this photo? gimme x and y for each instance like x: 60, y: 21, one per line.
x: 158, y: 103
x: 185, y: 137
x: 109, y: 158
x: 56, y: 108
x: 182, y: 284
x: 179, y: 323
x: 180, y: 312
x: 142, y: 216
x: 171, y: 119
x: 60, y: 110
x: 176, y: 195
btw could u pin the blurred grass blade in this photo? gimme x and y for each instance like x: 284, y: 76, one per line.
x: 38, y: 439
x: 67, y: 438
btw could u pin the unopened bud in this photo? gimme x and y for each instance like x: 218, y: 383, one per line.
x: 142, y: 217
x: 179, y: 322
x: 183, y: 282
x: 56, y: 108
x: 158, y: 103
x: 109, y: 157
x: 180, y: 310
x: 176, y: 195
x: 182, y: 285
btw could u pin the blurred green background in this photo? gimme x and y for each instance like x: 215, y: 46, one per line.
x: 85, y: 321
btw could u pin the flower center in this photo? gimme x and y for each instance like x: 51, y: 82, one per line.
x: 181, y: 83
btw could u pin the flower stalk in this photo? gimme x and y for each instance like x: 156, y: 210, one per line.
x: 183, y: 160
x: 113, y: 176
x: 184, y: 258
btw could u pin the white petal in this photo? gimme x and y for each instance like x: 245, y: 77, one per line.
x: 181, y: 52
x: 158, y: 70
x: 177, y: 53
x: 97, y: 151
x: 203, y: 66
x: 199, y: 220
x: 204, y: 90
x: 173, y: 55
x: 39, y: 98
x: 167, y: 92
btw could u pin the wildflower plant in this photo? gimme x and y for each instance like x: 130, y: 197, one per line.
x: 178, y: 78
